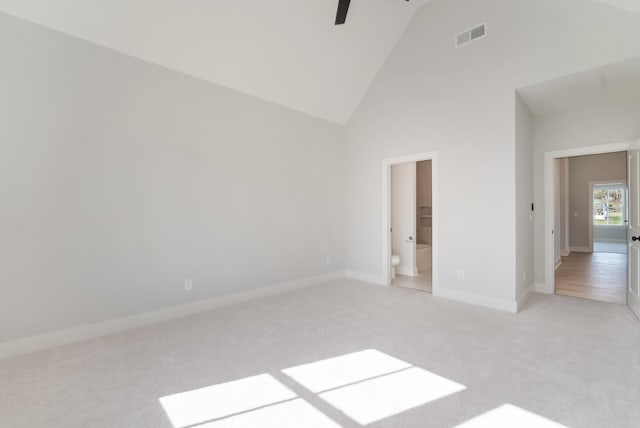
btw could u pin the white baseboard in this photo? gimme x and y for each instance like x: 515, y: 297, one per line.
x: 557, y: 263
x: 474, y: 299
x: 565, y: 253
x: 524, y: 296
x: 580, y: 249
x: 366, y: 277
x: 90, y: 331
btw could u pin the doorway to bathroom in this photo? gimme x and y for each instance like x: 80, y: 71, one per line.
x: 410, y: 222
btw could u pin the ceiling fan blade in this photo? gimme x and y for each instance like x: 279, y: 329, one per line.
x: 343, y: 8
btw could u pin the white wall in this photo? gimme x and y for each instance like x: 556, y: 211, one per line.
x: 120, y: 179
x: 589, y: 126
x: 460, y: 103
x: 583, y: 169
x: 403, y: 208
x: 603, y: 233
x: 524, y: 198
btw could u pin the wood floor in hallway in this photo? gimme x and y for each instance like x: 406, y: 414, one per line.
x: 596, y: 276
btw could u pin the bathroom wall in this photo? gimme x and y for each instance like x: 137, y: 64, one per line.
x: 423, y: 200
x: 403, y: 207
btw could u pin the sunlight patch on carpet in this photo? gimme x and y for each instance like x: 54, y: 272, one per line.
x: 508, y: 416
x: 368, y: 386
x: 218, y: 401
x: 346, y: 369
x: 290, y: 414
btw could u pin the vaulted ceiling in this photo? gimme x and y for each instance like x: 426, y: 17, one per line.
x: 612, y: 84
x: 284, y: 51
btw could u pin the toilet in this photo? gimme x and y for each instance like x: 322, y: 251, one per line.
x: 395, y: 261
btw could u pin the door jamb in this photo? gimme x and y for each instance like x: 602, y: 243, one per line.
x: 386, y: 213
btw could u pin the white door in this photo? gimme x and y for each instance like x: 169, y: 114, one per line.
x: 633, y: 172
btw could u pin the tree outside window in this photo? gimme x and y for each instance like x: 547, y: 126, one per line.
x: 609, y: 207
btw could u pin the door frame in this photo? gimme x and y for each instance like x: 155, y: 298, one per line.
x: 386, y: 213
x: 549, y: 205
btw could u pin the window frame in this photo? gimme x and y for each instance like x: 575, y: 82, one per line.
x: 608, y: 186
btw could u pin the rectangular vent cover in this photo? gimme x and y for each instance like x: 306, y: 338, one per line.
x: 471, y: 35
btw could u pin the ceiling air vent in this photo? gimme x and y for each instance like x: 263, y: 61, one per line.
x: 471, y: 35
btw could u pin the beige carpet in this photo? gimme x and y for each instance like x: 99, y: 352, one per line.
x: 343, y: 354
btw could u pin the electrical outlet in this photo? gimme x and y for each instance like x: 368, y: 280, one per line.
x: 328, y: 260
x: 460, y: 274
x: 188, y: 284
x: 524, y: 276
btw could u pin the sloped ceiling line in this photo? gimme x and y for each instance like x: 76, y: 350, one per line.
x: 288, y: 52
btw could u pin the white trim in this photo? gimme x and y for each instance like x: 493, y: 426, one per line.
x: 386, y: 213
x: 581, y: 249
x: 565, y: 253
x: 558, y: 263
x: 549, y: 259
x: 366, y: 277
x: 475, y: 299
x: 524, y: 297
x: 90, y: 331
x: 540, y: 287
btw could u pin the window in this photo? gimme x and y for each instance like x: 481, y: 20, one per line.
x: 609, y: 204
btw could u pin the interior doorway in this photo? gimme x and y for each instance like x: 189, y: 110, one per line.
x: 410, y: 221
x: 589, y: 223
x: 411, y: 225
